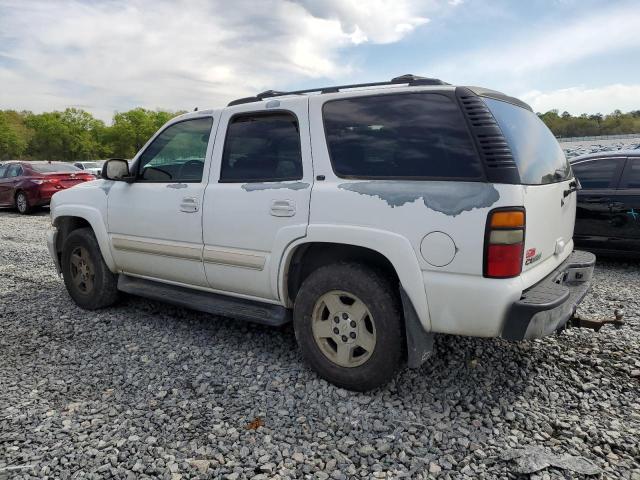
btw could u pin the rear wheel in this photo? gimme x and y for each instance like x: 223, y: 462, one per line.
x: 348, y: 324
x: 22, y: 203
x: 89, y: 281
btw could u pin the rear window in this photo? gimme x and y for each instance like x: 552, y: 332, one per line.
x: 54, y: 167
x: 536, y: 151
x: 414, y: 135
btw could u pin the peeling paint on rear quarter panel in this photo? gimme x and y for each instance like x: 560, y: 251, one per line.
x: 445, y: 197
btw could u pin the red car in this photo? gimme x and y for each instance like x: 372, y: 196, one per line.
x: 25, y: 185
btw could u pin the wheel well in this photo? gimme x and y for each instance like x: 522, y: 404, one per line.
x: 65, y: 226
x: 309, y: 257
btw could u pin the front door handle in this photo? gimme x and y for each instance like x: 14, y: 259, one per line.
x: 283, y: 208
x: 189, y: 205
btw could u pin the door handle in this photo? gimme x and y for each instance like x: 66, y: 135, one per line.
x: 596, y: 200
x: 283, y: 208
x: 189, y: 205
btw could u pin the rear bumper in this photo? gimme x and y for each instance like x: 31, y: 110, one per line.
x: 548, y: 305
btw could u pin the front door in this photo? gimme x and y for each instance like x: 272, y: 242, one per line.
x: 598, y: 178
x: 8, y: 183
x: 257, y: 200
x: 155, y: 223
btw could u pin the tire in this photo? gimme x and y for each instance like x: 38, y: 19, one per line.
x: 81, y: 255
x: 329, y: 290
x: 22, y: 203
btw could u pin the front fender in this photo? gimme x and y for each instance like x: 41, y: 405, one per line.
x: 396, y: 248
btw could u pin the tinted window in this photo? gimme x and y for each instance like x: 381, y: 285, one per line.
x: 632, y: 175
x: 418, y: 135
x: 535, y: 150
x: 262, y: 147
x: 596, y: 173
x: 45, y: 167
x: 3, y: 169
x: 177, y: 154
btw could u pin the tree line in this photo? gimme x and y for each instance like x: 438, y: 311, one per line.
x: 74, y: 134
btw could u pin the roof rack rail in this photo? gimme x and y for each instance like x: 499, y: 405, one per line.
x: 409, y: 79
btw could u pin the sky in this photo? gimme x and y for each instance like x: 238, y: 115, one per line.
x: 107, y: 56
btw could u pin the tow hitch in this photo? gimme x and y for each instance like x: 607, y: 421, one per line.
x: 597, y: 324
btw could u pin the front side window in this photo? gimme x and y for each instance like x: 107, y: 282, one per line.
x: 262, y: 148
x: 14, y: 171
x: 177, y: 154
x: 407, y: 135
x: 632, y: 176
x: 3, y: 169
x: 599, y: 173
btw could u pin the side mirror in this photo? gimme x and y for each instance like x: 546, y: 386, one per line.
x: 116, y: 169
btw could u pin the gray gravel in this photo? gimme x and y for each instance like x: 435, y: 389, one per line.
x: 146, y: 390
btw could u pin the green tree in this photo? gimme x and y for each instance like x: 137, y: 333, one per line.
x: 131, y: 130
x: 14, y: 135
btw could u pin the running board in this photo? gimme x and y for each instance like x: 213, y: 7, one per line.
x: 216, y: 304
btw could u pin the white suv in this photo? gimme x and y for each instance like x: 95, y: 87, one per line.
x: 373, y: 216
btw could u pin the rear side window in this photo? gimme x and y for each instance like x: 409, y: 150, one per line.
x: 536, y: 151
x: 3, y: 168
x: 14, y: 171
x: 262, y: 148
x: 632, y: 175
x: 598, y: 173
x: 414, y: 135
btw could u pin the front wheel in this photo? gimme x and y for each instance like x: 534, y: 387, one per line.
x: 348, y: 324
x: 89, y: 281
x: 22, y: 203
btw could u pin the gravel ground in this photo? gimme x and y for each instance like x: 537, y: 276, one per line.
x: 574, y: 149
x: 145, y: 390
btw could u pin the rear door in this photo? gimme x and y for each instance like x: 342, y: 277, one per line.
x: 599, y: 179
x: 625, y: 209
x: 257, y: 200
x: 4, y: 182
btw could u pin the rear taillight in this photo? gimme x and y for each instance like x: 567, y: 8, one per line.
x: 504, y: 243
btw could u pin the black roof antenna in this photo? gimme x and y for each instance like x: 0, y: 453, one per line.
x: 195, y: 109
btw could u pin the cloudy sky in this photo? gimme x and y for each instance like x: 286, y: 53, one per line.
x: 112, y: 55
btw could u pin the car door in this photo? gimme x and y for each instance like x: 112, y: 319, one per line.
x: 625, y: 208
x: 4, y: 181
x: 8, y: 183
x: 155, y: 222
x: 598, y: 178
x: 257, y: 200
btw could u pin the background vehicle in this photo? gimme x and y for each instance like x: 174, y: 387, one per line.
x: 374, y: 217
x: 608, y: 212
x: 25, y: 185
x: 94, y: 167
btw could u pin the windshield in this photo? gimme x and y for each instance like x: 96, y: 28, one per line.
x: 54, y: 167
x: 536, y: 151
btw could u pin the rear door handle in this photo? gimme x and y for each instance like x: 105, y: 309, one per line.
x: 283, y: 208
x: 189, y: 205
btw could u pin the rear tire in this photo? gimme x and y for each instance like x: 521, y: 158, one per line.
x: 348, y: 325
x: 22, y: 203
x: 89, y: 281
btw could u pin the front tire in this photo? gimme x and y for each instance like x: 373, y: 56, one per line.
x: 89, y: 281
x: 22, y: 203
x: 348, y: 325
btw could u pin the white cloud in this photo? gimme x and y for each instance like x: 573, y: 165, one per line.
x: 113, y: 55
x: 578, y: 100
x: 542, y: 47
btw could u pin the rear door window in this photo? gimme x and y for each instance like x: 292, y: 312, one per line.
x: 536, y: 151
x: 631, y: 178
x: 14, y: 171
x: 598, y: 173
x: 405, y: 135
x: 262, y: 148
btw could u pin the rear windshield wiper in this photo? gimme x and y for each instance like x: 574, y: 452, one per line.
x: 574, y: 186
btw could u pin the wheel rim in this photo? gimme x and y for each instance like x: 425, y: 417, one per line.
x: 343, y: 328
x: 22, y: 202
x: 82, y: 270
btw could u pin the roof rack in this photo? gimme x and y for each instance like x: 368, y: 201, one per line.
x: 409, y: 79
